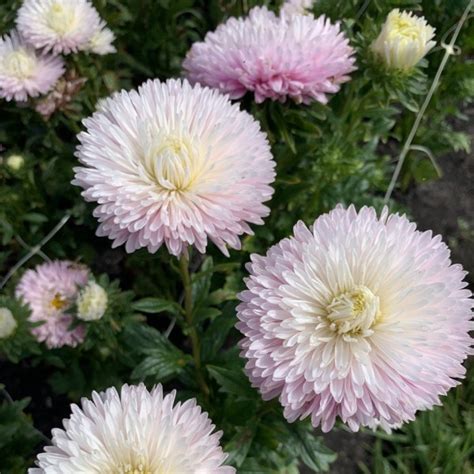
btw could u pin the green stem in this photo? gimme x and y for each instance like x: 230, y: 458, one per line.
x: 188, y: 314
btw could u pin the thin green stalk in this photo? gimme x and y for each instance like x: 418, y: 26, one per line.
x: 449, y: 50
x: 188, y: 314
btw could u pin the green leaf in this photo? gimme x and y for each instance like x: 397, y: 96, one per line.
x: 156, y: 305
x: 239, y: 446
x: 232, y: 381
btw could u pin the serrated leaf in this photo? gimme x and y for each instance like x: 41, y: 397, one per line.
x: 232, y: 381
x: 238, y: 447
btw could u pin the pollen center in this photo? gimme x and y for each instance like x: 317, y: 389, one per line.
x: 20, y: 64
x: 404, y: 28
x: 133, y: 469
x: 61, y: 18
x: 58, y: 302
x: 174, y: 164
x: 354, y: 312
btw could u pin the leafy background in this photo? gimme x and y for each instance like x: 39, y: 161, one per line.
x: 342, y: 152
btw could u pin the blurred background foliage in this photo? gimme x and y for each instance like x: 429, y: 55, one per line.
x: 343, y: 152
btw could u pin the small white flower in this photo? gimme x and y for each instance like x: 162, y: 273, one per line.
x: 101, y: 41
x: 15, y: 162
x: 299, y: 7
x: 92, y: 302
x: 404, y: 40
x: 7, y: 323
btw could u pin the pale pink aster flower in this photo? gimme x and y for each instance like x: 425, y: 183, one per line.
x: 49, y: 290
x: 61, y: 26
x: 136, y: 431
x: 23, y: 72
x: 174, y: 164
x: 290, y: 56
x: 359, y: 317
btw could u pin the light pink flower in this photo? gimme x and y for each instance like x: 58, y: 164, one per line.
x: 136, y: 431
x: 290, y: 56
x: 359, y: 317
x: 49, y: 290
x: 176, y: 165
x: 23, y: 72
x: 61, y: 26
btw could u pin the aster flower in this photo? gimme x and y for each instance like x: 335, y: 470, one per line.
x: 290, y: 7
x: 404, y: 40
x: 91, y: 302
x: 8, y: 323
x: 102, y: 40
x: 359, y: 317
x: 23, y: 72
x: 49, y: 290
x: 136, y: 431
x: 291, y: 56
x: 176, y: 165
x: 61, y: 26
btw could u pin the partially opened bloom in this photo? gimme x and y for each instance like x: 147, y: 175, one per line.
x: 8, y: 323
x: 290, y: 7
x: 276, y: 57
x: 359, y: 317
x: 23, y: 72
x: 136, y: 431
x: 404, y: 40
x: 101, y: 41
x: 176, y: 165
x: 61, y: 26
x: 50, y: 290
x: 91, y: 302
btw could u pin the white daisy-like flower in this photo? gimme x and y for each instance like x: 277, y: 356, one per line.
x: 91, y: 302
x: 61, y: 26
x: 102, y: 40
x: 23, y: 72
x: 134, y: 432
x: 8, y: 323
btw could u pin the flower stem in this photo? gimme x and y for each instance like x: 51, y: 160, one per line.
x: 188, y: 313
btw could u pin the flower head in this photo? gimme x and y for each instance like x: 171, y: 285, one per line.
x: 102, y: 40
x: 359, y: 317
x: 91, y: 302
x: 23, y: 72
x: 15, y: 162
x: 290, y: 7
x: 61, y: 26
x: 50, y: 290
x: 404, y: 40
x: 8, y: 323
x: 290, y: 56
x: 136, y: 431
x: 176, y: 165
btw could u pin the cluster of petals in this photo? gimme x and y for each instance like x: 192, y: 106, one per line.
x: 291, y: 7
x: 292, y: 56
x: 360, y: 317
x: 64, y: 26
x: 50, y: 290
x: 24, y: 72
x: 136, y: 431
x: 404, y: 40
x: 176, y: 165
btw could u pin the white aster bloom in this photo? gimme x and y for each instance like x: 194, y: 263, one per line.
x: 8, y: 323
x: 15, y: 162
x: 404, y: 40
x: 299, y: 7
x: 134, y: 432
x: 92, y: 302
x: 102, y: 40
x: 61, y: 26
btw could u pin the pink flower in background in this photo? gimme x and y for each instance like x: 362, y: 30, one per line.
x: 23, y: 72
x: 63, y: 26
x: 290, y: 56
x: 49, y: 290
x: 176, y: 165
x: 136, y: 431
x: 359, y: 317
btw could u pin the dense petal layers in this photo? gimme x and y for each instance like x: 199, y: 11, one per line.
x: 359, y: 317
x: 174, y: 164
x: 292, y: 56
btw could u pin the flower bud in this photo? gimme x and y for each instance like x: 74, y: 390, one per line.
x: 7, y: 323
x: 15, y: 162
x: 404, y: 40
x: 297, y: 7
x: 92, y: 302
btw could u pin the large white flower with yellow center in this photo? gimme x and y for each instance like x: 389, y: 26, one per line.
x: 359, y: 317
x: 404, y: 40
x: 176, y: 165
x: 135, y: 432
x: 23, y: 72
x: 63, y: 26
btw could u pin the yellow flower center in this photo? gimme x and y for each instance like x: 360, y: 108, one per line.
x: 58, y: 302
x: 61, y: 18
x: 20, y: 64
x: 354, y: 312
x: 133, y: 469
x: 174, y: 164
x: 405, y: 28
